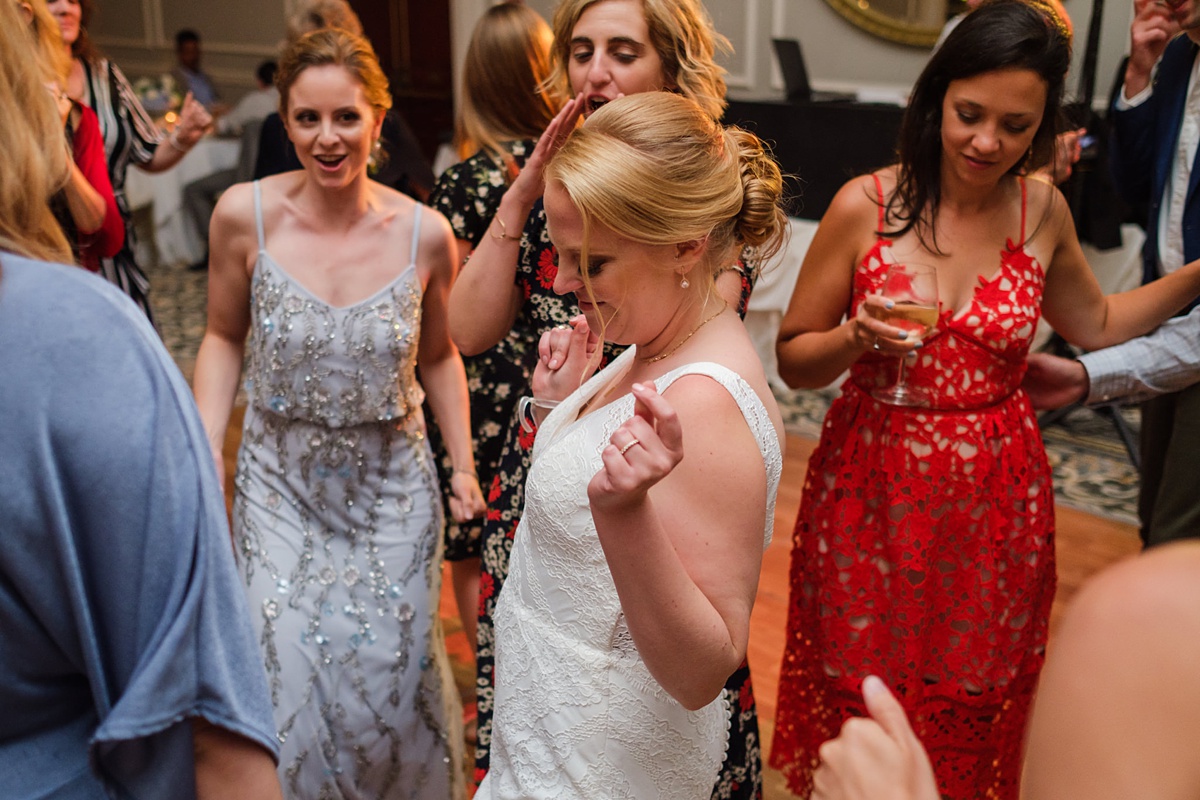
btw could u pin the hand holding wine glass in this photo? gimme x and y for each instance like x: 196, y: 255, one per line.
x: 912, y: 292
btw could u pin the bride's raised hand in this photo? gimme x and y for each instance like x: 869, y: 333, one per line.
x: 567, y: 356
x: 639, y: 454
x: 530, y: 183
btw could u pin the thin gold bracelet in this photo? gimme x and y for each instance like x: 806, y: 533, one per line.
x: 503, y: 231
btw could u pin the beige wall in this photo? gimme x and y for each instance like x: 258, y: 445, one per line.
x: 839, y: 56
x: 240, y: 33
x: 236, y: 34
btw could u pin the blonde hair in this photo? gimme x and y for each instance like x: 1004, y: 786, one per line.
x: 506, y: 67
x: 656, y: 168
x: 682, y: 34
x: 48, y: 43
x: 34, y: 149
x: 334, y: 47
x: 313, y: 15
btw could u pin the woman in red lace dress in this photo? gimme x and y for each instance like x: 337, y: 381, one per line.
x: 924, y: 549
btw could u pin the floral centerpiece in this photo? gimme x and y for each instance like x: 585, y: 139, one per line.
x: 158, y: 95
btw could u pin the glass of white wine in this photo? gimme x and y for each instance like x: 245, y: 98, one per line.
x: 913, y: 289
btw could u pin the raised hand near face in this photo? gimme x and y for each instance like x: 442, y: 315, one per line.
x: 530, y: 183
x: 567, y: 356
x: 1152, y: 29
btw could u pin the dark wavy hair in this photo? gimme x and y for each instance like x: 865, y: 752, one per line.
x: 1000, y: 34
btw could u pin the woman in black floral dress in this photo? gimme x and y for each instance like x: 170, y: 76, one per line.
x: 499, y: 121
x: 602, y: 48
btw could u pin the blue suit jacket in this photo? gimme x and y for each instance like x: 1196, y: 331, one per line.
x: 1143, y: 146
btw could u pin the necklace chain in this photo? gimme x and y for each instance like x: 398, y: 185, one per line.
x: 683, y: 341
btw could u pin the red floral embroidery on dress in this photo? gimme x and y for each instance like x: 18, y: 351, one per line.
x: 547, y: 269
x: 487, y: 587
x: 924, y: 548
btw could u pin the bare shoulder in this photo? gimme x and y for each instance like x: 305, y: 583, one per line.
x: 712, y: 406
x: 859, y: 197
x: 1046, y: 209
x: 235, y: 208
x: 1160, y: 585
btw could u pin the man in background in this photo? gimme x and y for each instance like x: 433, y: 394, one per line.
x: 189, y: 75
x: 244, y: 120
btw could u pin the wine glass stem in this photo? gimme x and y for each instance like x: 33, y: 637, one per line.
x: 900, y: 372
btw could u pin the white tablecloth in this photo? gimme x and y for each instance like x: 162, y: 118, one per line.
x: 175, y: 237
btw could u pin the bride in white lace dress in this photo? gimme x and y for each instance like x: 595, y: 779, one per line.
x: 635, y: 566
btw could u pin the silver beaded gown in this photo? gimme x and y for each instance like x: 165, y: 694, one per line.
x: 338, y: 527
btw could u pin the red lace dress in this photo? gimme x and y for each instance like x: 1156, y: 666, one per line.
x: 924, y: 548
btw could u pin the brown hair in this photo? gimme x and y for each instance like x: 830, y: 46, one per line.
x: 336, y: 47
x: 682, y: 34
x: 47, y: 42
x: 83, y: 48
x: 507, y: 63
x: 35, y: 152
x: 313, y: 15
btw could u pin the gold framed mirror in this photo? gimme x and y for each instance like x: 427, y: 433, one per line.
x: 912, y: 22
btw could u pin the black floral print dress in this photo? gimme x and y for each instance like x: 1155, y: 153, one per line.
x: 469, y: 194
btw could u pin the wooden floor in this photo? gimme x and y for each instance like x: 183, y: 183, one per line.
x: 1085, y: 544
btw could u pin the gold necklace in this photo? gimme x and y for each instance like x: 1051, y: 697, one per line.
x: 683, y: 341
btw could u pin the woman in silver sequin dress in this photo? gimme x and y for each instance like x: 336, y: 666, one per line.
x: 341, y: 284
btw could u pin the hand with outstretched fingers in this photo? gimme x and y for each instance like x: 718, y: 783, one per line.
x: 639, y: 454
x: 877, y: 757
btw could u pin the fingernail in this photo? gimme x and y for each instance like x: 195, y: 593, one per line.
x: 889, y: 303
x: 637, y: 387
x: 553, y: 363
x: 918, y: 343
x: 872, y: 686
x: 903, y: 335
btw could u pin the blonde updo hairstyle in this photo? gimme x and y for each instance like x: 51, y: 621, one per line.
x: 334, y: 47
x: 656, y: 168
x: 504, y: 76
x: 681, y: 32
x: 35, y: 154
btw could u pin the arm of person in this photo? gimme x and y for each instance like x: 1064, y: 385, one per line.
x: 109, y: 237
x: 1151, y: 31
x: 232, y: 247
x: 685, y: 567
x: 1167, y: 360
x: 1075, y: 306
x: 85, y: 204
x: 231, y: 767
x: 1135, y: 135
x: 1117, y: 713
x: 442, y: 372
x: 194, y: 122
x: 816, y: 342
x: 486, y: 299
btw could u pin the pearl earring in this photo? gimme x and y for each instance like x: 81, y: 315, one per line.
x: 683, y: 282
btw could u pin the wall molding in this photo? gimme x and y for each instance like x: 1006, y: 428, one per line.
x: 210, y: 48
x: 745, y: 78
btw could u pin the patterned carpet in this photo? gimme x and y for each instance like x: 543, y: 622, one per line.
x: 1092, y: 471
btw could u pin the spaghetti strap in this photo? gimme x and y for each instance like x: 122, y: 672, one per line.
x: 879, y: 192
x: 258, y: 222
x: 416, y: 235
x: 1024, y: 195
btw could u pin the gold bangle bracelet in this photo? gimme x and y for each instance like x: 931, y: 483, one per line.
x: 503, y: 231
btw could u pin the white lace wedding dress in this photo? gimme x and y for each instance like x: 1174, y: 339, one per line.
x: 578, y: 715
